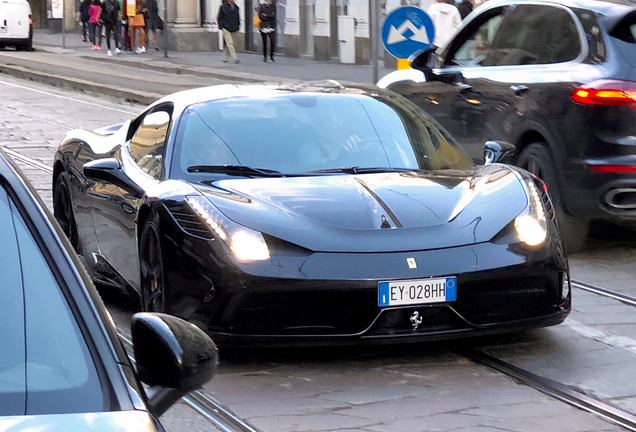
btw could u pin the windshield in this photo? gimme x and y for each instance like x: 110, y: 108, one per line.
x: 301, y: 132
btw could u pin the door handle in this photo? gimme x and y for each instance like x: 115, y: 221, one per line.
x: 519, y: 89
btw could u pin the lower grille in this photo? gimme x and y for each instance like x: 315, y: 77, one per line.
x: 305, y: 313
x: 506, y: 300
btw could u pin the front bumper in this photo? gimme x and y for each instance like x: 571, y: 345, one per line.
x: 332, y: 298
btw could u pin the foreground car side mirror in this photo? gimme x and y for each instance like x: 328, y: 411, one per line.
x: 173, y: 356
x: 498, y: 151
x: 111, y: 171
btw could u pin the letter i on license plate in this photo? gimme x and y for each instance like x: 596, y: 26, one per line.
x: 417, y: 291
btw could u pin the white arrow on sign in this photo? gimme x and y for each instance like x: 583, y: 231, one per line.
x: 397, y: 35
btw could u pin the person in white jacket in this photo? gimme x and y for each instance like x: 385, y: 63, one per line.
x: 446, y: 19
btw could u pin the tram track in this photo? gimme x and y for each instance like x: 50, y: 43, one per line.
x: 224, y: 420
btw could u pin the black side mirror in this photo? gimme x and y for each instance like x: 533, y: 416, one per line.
x: 110, y: 170
x: 173, y: 356
x: 498, y: 151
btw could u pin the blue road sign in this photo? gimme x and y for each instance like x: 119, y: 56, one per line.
x: 406, y: 31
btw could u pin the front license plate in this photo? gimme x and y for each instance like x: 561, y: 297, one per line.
x: 417, y: 291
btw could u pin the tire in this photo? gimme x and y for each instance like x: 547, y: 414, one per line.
x: 152, y: 281
x: 63, y: 210
x: 536, y: 158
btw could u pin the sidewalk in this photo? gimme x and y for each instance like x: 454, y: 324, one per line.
x: 251, y: 68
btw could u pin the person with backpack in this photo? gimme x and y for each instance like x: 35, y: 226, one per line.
x: 229, y: 20
x: 110, y: 14
x: 267, y: 15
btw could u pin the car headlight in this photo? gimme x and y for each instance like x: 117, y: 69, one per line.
x: 532, y: 226
x: 245, y: 244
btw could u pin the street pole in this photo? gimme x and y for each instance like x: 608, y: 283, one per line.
x: 165, y: 28
x: 63, y: 25
x: 374, y: 30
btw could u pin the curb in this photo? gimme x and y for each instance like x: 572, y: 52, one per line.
x: 135, y: 96
x: 237, y: 77
x: 166, y: 67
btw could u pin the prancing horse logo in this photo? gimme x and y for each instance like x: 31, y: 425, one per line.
x: 416, y: 320
x: 411, y: 262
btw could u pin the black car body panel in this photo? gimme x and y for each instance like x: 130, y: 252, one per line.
x: 526, y: 100
x: 331, y: 236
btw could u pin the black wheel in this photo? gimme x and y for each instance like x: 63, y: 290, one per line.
x: 63, y: 210
x: 154, y: 292
x: 536, y: 158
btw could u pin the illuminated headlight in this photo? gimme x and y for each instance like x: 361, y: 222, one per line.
x: 245, y: 244
x: 531, y: 225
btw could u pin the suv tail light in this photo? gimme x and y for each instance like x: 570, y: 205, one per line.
x: 607, y: 92
x: 612, y: 168
x: 30, y: 22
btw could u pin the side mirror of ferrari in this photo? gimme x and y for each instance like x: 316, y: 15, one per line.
x: 110, y: 170
x: 498, y: 151
x: 173, y: 357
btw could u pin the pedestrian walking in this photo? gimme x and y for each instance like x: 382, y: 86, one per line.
x: 110, y: 16
x: 153, y: 21
x: 138, y: 22
x: 95, y: 24
x: 464, y: 7
x: 267, y: 15
x: 229, y: 20
x: 446, y: 20
x: 84, y: 17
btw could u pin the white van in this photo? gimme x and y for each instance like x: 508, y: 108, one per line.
x: 16, y: 24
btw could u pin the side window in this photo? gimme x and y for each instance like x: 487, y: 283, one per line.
x: 522, y: 35
x: 146, y: 145
x: 478, y: 45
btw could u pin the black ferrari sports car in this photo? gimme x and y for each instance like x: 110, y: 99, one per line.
x: 314, y: 213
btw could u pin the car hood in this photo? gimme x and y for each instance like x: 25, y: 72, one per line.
x: 376, y: 212
x: 115, y: 421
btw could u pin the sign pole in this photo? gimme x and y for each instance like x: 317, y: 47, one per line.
x: 375, y: 35
x: 63, y: 25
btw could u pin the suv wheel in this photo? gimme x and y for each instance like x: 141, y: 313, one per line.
x: 536, y: 158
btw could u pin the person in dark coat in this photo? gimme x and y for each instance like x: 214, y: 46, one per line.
x: 84, y: 16
x: 464, y: 7
x: 153, y: 21
x: 267, y: 15
x: 229, y: 20
x: 110, y: 14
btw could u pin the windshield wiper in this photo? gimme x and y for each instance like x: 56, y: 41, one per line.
x: 365, y: 170
x: 235, y: 170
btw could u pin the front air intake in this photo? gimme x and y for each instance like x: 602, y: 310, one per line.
x: 187, y: 220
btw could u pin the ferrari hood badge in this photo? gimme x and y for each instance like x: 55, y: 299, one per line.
x: 411, y: 262
x: 416, y: 320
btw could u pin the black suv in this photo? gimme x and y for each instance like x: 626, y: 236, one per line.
x: 557, y: 80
